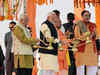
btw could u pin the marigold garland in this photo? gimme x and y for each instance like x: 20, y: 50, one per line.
x: 9, y: 9
x: 79, y: 3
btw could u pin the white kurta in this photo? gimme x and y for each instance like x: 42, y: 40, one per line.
x: 48, y: 61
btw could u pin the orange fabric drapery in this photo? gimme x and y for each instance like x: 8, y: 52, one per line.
x: 78, y: 10
x: 80, y: 3
x: 97, y: 13
x: 35, y: 70
x: 1, y: 10
x: 31, y: 11
x: 41, y: 2
x: 10, y: 16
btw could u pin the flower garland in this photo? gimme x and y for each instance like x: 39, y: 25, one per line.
x: 6, y: 9
x: 79, y: 3
x: 1, y: 10
x: 9, y: 9
x: 17, y: 4
x: 41, y: 2
x: 10, y: 16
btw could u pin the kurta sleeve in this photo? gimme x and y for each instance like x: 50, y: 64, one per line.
x: 46, y: 31
x: 78, y: 34
x: 97, y: 34
x: 77, y: 31
x: 19, y: 33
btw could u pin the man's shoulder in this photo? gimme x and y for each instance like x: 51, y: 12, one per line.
x: 45, y: 22
x: 44, y: 25
x: 65, y: 24
x: 18, y: 27
x: 8, y: 33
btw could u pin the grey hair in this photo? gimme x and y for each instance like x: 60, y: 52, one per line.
x: 51, y: 13
x: 22, y: 17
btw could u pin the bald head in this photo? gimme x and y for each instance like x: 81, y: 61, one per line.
x: 51, y: 14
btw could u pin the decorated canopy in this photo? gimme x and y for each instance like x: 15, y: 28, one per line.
x: 80, y: 3
x: 10, y: 8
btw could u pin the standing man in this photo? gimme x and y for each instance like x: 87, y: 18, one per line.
x: 48, y: 57
x: 9, y: 52
x: 63, y: 66
x: 69, y: 32
x: 23, y: 42
x: 85, y: 31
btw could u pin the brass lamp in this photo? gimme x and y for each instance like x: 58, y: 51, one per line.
x: 60, y: 46
x: 75, y: 43
x: 87, y: 37
x: 50, y: 40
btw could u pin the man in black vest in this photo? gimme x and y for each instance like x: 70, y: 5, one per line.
x: 69, y: 31
x: 48, y: 57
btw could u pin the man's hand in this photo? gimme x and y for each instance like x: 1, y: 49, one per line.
x: 35, y: 42
x: 13, y: 73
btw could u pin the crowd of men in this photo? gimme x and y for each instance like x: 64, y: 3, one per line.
x: 64, y: 49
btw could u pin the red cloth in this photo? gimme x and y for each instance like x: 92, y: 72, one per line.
x: 80, y: 47
x: 92, y: 28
